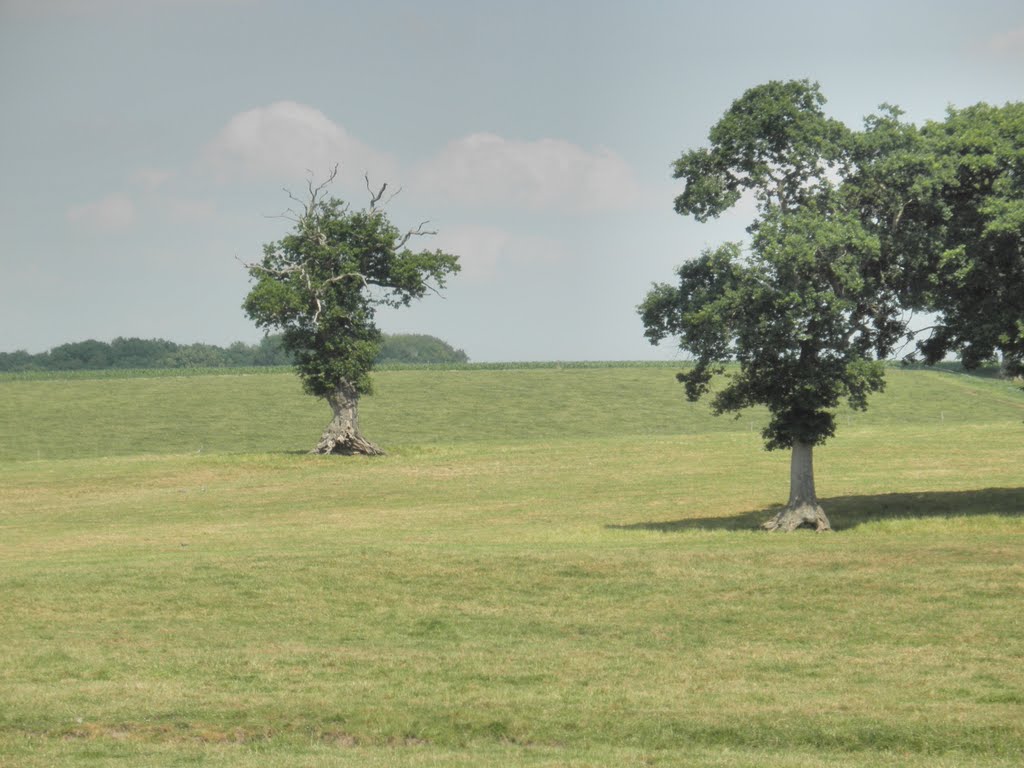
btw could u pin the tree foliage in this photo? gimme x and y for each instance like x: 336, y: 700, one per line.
x: 321, y: 284
x: 136, y: 353
x: 974, y: 279
x: 418, y: 348
x: 810, y: 306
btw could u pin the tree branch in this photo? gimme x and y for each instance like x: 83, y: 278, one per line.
x: 289, y: 215
x: 374, y: 196
x: 276, y: 272
x: 314, y: 192
x: 343, y: 275
x: 418, y: 232
x: 911, y: 335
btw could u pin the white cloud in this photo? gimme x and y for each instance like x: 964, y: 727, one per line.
x: 153, y: 178
x: 110, y: 214
x: 483, y: 250
x: 288, y: 140
x: 478, y: 248
x: 1009, y: 42
x: 548, y: 173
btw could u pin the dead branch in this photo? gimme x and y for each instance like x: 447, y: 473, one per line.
x: 288, y: 215
x: 275, y: 272
x: 315, y: 192
x: 418, y: 232
x: 374, y: 196
x: 343, y: 275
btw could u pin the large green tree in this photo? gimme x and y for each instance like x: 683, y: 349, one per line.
x: 974, y: 276
x: 321, y: 285
x: 806, y: 311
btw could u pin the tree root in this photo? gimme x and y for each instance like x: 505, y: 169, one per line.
x: 346, y: 444
x: 803, y: 516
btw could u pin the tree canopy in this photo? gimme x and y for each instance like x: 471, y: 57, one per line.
x: 321, y: 285
x: 809, y: 307
x: 135, y: 353
x: 974, y: 278
x: 418, y: 348
x: 123, y: 353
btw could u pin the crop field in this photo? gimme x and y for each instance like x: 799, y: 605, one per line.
x: 553, y: 566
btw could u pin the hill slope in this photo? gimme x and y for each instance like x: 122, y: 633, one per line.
x: 82, y: 417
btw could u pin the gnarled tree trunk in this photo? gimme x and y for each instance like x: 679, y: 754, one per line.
x: 342, y: 434
x: 803, y: 509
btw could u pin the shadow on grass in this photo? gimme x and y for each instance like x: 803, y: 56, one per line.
x: 850, y: 511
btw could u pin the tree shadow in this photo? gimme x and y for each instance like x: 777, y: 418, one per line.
x: 846, y: 512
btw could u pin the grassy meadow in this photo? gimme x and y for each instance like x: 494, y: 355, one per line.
x: 551, y: 567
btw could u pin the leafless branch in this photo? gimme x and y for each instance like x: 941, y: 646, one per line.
x: 303, y: 203
x: 288, y: 215
x: 315, y: 192
x: 343, y: 275
x: 374, y: 196
x: 418, y: 232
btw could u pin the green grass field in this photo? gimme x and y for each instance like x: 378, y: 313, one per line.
x: 552, y: 567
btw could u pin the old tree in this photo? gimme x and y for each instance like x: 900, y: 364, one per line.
x: 321, y: 284
x: 807, y: 312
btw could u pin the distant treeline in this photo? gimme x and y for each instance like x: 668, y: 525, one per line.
x: 127, y: 353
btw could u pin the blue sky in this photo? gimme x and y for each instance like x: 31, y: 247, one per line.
x: 145, y: 145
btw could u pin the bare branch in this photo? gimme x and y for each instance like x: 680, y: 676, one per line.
x: 375, y: 196
x: 343, y: 275
x: 418, y: 232
x: 314, y: 195
x: 314, y: 192
x: 275, y: 272
x: 288, y: 215
x: 288, y: 192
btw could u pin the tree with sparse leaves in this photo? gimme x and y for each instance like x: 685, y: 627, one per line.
x: 321, y: 284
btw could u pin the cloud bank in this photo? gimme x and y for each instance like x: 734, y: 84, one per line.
x: 287, y: 140
x: 1010, y: 42
x: 484, y: 168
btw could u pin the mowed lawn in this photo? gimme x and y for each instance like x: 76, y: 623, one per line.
x: 552, y: 567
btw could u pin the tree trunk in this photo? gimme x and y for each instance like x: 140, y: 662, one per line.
x: 1010, y: 367
x: 803, y: 509
x: 342, y: 434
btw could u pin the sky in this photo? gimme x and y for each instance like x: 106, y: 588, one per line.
x: 147, y: 147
